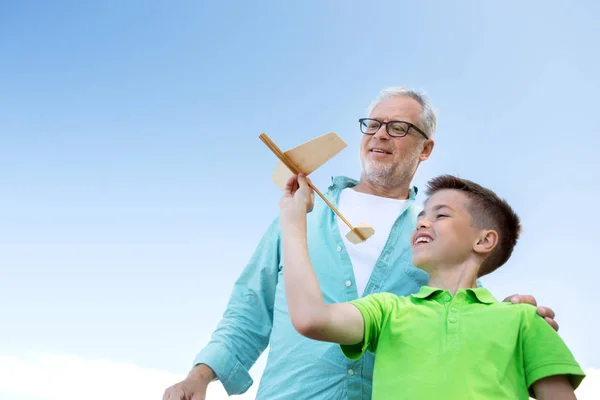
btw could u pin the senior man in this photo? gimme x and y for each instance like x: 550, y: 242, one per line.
x: 397, y: 137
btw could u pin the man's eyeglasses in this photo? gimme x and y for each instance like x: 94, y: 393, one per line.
x: 369, y: 126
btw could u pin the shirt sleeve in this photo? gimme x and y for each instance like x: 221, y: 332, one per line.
x: 545, y: 353
x: 375, y: 309
x: 243, y: 332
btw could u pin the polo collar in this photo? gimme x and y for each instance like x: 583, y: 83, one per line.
x: 426, y: 291
x: 481, y: 294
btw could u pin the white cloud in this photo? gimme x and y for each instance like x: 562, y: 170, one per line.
x: 44, y: 376
x: 590, y: 387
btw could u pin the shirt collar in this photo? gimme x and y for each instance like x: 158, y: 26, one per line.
x: 426, y: 291
x: 481, y: 295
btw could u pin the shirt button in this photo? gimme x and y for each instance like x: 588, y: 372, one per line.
x: 350, y: 372
x: 453, y: 309
x: 452, y: 319
x: 447, y: 298
x: 348, y: 283
x: 339, y: 248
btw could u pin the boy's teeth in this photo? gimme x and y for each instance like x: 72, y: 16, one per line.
x: 423, y: 239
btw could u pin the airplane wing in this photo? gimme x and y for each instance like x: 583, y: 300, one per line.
x: 309, y: 156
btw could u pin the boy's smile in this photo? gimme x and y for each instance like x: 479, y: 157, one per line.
x: 422, y: 238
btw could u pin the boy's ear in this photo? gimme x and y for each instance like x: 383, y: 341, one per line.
x: 486, y: 242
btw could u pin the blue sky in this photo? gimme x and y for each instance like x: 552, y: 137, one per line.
x: 130, y: 158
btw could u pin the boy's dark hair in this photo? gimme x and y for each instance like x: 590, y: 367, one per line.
x: 488, y: 211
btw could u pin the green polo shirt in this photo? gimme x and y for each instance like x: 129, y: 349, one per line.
x: 432, y: 345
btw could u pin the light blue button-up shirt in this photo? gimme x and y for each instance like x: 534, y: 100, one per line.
x: 299, y: 368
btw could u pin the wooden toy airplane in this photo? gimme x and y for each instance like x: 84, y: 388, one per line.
x: 305, y: 159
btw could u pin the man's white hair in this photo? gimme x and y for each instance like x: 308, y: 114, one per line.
x: 428, y: 118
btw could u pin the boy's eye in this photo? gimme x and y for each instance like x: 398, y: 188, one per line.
x: 441, y: 215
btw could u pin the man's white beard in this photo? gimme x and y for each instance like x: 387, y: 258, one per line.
x: 391, y: 175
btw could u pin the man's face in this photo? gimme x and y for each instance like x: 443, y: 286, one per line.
x: 444, y: 234
x: 389, y: 161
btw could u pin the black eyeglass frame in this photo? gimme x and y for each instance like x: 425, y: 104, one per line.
x: 360, y: 121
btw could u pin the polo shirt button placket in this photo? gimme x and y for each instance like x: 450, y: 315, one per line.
x: 453, y: 327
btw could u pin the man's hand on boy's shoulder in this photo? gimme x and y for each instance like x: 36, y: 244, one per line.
x: 544, y: 312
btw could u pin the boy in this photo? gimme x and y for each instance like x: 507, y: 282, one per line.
x: 451, y: 340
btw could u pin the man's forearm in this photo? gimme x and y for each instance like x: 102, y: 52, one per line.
x: 203, y: 372
x: 305, y: 300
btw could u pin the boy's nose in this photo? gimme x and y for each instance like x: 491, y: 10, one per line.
x: 423, y: 223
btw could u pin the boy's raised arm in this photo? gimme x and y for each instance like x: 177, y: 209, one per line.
x: 339, y: 323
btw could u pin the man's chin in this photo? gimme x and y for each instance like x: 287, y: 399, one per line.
x: 379, y: 166
x: 379, y: 173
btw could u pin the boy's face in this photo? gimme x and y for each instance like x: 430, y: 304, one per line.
x: 444, y: 234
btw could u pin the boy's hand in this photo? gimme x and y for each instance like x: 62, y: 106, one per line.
x: 298, y: 198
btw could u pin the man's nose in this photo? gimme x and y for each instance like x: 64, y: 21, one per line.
x: 381, y: 133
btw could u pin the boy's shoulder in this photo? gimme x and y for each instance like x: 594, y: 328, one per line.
x: 524, y: 309
x: 520, y: 315
x: 422, y: 299
x: 383, y: 298
x: 528, y: 314
x: 383, y: 301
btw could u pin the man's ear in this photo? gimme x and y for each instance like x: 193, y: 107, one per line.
x: 486, y: 242
x: 427, y: 149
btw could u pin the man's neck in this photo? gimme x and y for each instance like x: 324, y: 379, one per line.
x: 399, y: 192
x: 454, y: 277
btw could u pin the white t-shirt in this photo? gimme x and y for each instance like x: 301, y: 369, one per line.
x: 380, y: 213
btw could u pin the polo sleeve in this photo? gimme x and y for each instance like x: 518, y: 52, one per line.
x: 375, y: 309
x: 243, y: 332
x: 545, y: 353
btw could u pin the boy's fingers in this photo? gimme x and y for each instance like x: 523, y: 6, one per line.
x: 301, y: 180
x: 290, y: 181
x: 291, y: 185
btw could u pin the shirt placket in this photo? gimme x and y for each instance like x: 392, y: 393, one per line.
x: 452, y: 321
